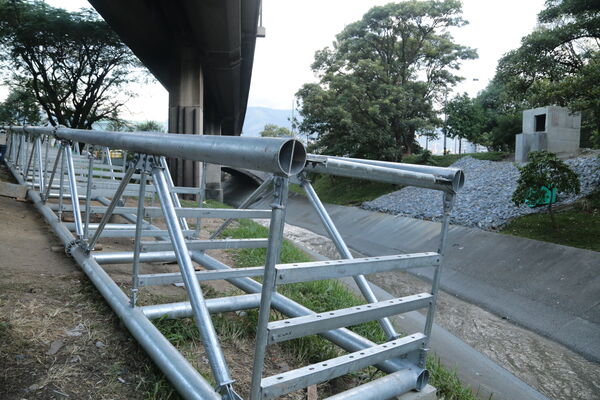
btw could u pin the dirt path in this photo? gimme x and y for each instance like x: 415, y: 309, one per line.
x: 552, y: 369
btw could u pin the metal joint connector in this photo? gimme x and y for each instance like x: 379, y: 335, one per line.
x: 145, y: 162
x: 69, y: 247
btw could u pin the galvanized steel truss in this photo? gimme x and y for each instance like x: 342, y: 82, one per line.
x: 39, y: 157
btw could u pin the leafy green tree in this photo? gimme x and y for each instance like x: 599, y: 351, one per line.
x: 20, y: 108
x: 465, y: 119
x: 381, y: 79
x: 74, y: 64
x: 559, y: 62
x: 544, y: 170
x: 149, y: 126
x: 272, y: 130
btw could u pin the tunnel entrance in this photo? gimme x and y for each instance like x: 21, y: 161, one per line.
x: 237, y: 186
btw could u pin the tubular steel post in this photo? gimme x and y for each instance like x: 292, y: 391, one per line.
x: 448, y: 201
x: 40, y: 164
x: 201, y: 314
x: 88, y: 194
x: 201, y: 194
x: 341, y: 247
x: 62, y: 181
x: 30, y: 161
x: 138, y: 239
x: 73, y: 190
x: 46, y: 159
x: 174, y: 197
x: 275, y: 239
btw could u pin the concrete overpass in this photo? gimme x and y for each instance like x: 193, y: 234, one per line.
x: 202, y: 52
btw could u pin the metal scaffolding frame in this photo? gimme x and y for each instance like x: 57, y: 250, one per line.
x: 40, y: 156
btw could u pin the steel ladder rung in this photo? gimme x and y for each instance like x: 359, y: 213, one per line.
x: 300, y: 378
x: 293, y: 328
x: 318, y: 270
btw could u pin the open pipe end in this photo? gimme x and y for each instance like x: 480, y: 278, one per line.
x: 422, y: 380
x: 459, y: 180
x: 292, y: 157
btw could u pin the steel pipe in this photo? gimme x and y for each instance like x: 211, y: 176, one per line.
x: 387, y: 387
x: 454, y: 175
x: 125, y: 257
x: 218, y: 305
x: 361, y: 170
x: 276, y: 155
x: 201, y: 315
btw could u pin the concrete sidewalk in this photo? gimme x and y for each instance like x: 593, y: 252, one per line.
x: 550, y: 289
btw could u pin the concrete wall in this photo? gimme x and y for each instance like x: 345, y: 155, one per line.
x: 560, y: 133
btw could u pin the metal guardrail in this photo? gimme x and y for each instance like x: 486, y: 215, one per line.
x: 40, y: 156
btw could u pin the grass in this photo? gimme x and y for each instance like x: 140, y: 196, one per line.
x: 351, y: 192
x: 577, y: 226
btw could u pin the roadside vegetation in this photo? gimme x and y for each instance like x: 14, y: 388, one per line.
x: 577, y: 225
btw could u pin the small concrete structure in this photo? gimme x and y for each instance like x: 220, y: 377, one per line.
x: 552, y: 128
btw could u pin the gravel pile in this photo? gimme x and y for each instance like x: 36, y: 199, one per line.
x: 485, y: 200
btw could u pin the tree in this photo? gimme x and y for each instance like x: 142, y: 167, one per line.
x: 74, y: 64
x: 149, y: 126
x: 20, y: 108
x: 381, y: 79
x: 272, y: 130
x: 465, y: 119
x: 544, y: 170
x: 559, y: 62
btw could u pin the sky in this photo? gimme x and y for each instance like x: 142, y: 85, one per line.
x: 296, y: 29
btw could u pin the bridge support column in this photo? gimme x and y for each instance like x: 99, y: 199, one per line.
x: 214, y: 189
x: 186, y: 115
x: 189, y: 114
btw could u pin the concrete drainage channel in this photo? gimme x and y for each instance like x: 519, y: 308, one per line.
x: 62, y: 180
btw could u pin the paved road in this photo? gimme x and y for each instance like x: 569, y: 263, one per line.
x: 550, y: 289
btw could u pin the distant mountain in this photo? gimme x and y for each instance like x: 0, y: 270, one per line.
x: 258, y: 117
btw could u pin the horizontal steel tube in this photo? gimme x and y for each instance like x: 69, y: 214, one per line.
x: 276, y: 155
x: 342, y: 167
x: 387, y: 387
x: 184, y: 309
x: 121, y: 233
x: 455, y: 175
x: 125, y: 257
x: 184, y: 377
x: 175, y: 277
x: 210, y: 244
